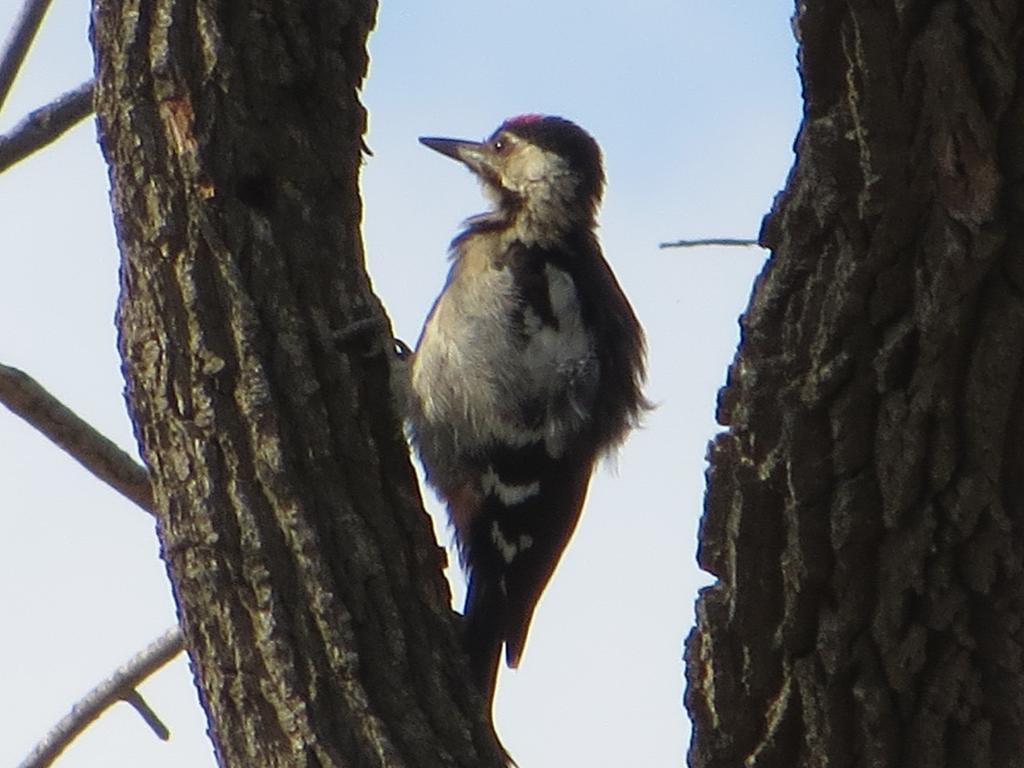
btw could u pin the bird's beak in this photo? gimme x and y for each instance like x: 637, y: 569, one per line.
x: 474, y: 154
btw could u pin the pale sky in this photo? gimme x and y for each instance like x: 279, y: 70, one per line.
x: 696, y: 106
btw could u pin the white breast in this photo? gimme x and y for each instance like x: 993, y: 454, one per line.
x: 473, y: 375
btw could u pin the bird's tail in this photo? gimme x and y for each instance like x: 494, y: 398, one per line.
x: 484, y: 634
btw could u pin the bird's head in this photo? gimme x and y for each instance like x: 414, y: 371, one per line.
x: 541, y: 172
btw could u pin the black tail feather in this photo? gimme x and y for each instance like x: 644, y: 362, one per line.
x: 484, y: 634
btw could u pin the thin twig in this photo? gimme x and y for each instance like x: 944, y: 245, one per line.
x: 23, y: 32
x: 708, y: 241
x: 29, y: 400
x: 151, y: 718
x: 120, y: 686
x: 45, y: 125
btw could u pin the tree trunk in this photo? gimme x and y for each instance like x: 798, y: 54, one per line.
x: 865, y: 507
x: 308, y: 582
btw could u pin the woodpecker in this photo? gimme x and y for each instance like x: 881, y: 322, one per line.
x: 529, y: 368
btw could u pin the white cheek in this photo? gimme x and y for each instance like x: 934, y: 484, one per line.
x: 531, y: 166
x: 539, y: 164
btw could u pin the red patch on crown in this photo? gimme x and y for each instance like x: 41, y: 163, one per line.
x: 530, y: 117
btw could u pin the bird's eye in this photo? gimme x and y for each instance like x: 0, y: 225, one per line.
x: 499, y: 145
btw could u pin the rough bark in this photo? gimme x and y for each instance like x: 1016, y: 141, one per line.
x: 865, y: 505
x: 308, y: 582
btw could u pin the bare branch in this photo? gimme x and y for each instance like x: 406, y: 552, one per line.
x: 45, y: 125
x: 120, y: 686
x: 708, y: 241
x: 22, y: 34
x: 25, y: 397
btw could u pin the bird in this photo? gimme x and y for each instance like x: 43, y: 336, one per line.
x: 529, y: 369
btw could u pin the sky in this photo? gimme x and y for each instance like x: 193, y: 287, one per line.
x: 696, y: 106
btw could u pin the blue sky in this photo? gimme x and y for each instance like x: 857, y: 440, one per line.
x: 695, y: 105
